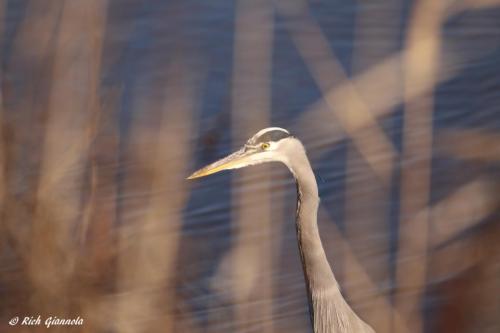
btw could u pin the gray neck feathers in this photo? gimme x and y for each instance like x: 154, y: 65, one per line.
x: 329, y: 311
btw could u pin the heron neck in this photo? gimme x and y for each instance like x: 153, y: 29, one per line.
x: 318, y: 274
x: 328, y: 309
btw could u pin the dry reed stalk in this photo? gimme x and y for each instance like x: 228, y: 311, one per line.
x: 420, y: 68
x: 2, y: 130
x: 366, y: 228
x: 367, y: 233
x: 149, y: 242
x: 3, y: 185
x: 20, y: 149
x: 99, y: 214
x: 71, y: 106
x: 461, y: 210
x: 475, y: 145
x: 347, y: 106
x: 97, y: 230
x: 380, y: 88
x: 33, y: 46
x: 250, y: 260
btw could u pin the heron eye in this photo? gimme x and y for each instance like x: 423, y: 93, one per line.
x: 265, y: 145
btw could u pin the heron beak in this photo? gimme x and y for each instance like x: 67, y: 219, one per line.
x: 236, y: 160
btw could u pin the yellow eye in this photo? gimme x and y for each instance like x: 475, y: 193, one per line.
x: 265, y: 145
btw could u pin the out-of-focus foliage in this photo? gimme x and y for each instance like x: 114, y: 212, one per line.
x: 107, y: 105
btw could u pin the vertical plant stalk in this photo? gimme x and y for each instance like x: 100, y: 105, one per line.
x: 71, y: 108
x: 2, y: 134
x: 150, y: 235
x: 250, y: 257
x: 367, y: 199
x: 421, y: 65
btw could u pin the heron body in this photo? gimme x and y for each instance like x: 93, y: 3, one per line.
x: 329, y: 311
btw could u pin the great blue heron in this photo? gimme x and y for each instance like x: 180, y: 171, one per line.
x: 328, y: 309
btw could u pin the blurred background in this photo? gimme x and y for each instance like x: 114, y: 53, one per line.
x: 107, y: 105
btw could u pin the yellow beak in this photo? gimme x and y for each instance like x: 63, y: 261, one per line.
x: 233, y: 161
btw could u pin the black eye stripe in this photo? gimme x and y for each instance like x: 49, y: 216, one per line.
x: 275, y: 135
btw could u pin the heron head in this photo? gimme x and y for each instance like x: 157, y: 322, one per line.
x: 268, y: 145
